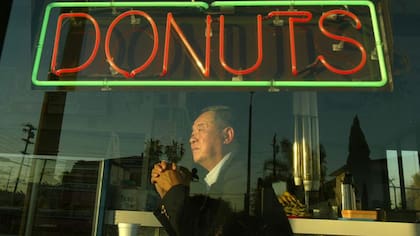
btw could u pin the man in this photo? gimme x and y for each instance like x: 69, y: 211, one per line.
x: 184, y: 215
x: 213, y: 147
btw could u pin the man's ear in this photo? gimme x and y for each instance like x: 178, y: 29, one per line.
x: 228, y: 135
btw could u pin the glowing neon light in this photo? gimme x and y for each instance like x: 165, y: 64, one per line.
x: 307, y: 17
x: 155, y: 43
x: 171, y: 22
x: 376, y: 32
x: 59, y: 72
x: 205, y: 69
x: 344, y: 39
x: 222, y: 48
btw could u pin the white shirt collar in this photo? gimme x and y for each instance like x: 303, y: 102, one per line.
x: 213, y: 174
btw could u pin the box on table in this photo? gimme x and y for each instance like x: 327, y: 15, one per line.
x: 359, y: 214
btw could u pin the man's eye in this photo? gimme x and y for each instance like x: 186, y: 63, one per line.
x: 201, y: 128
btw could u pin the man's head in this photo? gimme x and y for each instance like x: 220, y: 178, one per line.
x: 212, y: 136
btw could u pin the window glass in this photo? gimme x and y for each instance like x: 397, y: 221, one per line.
x: 84, y: 157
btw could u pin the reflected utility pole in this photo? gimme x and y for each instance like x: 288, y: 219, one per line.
x: 248, y: 180
x: 29, y: 130
x: 275, y: 151
x: 391, y: 181
x: 8, y: 178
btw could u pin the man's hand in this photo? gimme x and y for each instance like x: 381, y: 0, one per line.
x: 160, y: 167
x: 167, y: 175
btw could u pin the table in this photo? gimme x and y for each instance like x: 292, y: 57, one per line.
x: 299, y: 225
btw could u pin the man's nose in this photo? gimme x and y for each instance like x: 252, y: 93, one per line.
x: 193, y: 139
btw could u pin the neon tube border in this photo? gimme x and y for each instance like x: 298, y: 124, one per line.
x: 205, y: 6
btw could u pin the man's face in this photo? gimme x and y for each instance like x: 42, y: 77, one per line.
x: 206, y: 141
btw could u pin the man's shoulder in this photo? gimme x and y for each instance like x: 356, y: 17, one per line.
x: 237, y: 164
x: 232, y: 177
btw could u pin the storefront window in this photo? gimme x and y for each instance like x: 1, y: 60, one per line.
x: 77, y: 160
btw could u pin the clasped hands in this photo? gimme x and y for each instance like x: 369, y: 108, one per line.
x: 166, y: 175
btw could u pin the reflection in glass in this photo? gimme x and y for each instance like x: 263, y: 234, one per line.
x: 410, y: 161
x: 394, y: 179
x: 306, y: 146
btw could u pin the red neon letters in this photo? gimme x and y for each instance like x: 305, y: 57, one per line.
x: 171, y: 22
x: 344, y: 39
x: 57, y: 42
x: 108, y: 39
x: 295, y: 17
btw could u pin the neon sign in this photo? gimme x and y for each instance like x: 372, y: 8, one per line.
x: 224, y: 44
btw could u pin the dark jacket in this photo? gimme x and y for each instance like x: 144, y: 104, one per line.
x: 202, y: 215
x: 197, y: 215
x: 220, y: 211
x: 231, y: 182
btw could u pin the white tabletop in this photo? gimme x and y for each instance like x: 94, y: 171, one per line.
x: 299, y: 226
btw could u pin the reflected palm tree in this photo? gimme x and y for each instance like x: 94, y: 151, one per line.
x: 175, y: 151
